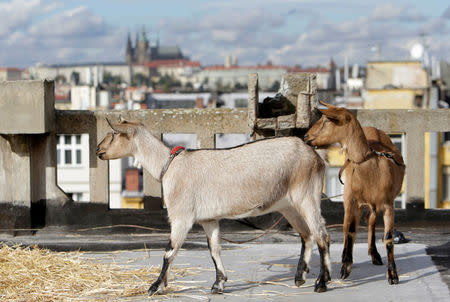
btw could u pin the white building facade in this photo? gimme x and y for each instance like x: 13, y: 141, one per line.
x: 73, y: 170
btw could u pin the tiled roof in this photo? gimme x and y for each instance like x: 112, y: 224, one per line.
x: 172, y: 63
x: 313, y: 69
x: 222, y: 67
x: 10, y: 69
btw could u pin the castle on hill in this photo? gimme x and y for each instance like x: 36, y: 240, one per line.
x: 143, y: 52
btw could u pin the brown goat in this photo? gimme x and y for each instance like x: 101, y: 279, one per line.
x: 373, y: 171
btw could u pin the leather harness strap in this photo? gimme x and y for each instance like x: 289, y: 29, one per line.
x: 174, y: 152
x: 385, y: 154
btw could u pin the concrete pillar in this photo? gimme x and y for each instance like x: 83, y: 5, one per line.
x: 253, y: 99
x: 415, y: 180
x: 15, y: 182
x: 206, y: 140
x: 16, y: 162
x: 98, y: 169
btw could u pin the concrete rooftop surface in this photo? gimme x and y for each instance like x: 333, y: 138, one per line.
x: 264, y: 269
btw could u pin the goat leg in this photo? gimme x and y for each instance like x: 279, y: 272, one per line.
x: 212, y: 233
x: 179, y: 229
x: 376, y: 258
x: 302, y: 267
x: 162, y: 278
x: 351, y: 219
x: 324, y: 275
x: 389, y: 244
x: 299, y: 224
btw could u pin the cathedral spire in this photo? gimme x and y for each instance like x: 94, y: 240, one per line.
x: 144, y: 35
x: 129, y: 53
x: 129, y: 46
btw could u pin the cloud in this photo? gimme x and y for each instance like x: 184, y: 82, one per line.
x: 249, y: 34
x: 67, y: 36
x: 17, y: 14
x: 259, y: 35
x: 284, y: 31
x: 78, y: 22
x: 391, y: 12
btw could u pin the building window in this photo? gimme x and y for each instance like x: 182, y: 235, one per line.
x: 240, y: 103
x: 68, y: 150
x: 446, y: 185
x: 75, y: 196
x: 397, y: 140
x: 333, y: 187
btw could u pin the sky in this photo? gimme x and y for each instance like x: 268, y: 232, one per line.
x: 286, y: 32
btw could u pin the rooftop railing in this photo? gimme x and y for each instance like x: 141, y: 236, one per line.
x: 28, y: 138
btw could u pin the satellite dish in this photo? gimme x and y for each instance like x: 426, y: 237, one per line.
x: 417, y: 51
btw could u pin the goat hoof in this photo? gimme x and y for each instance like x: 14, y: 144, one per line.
x: 299, y: 282
x: 218, y: 287
x: 346, y: 269
x: 320, y: 286
x: 300, y: 277
x: 216, y: 291
x: 376, y: 259
x: 154, y: 288
x: 392, y: 278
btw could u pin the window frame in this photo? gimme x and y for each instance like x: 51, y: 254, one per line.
x: 74, y: 147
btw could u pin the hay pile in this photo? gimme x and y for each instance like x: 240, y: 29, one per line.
x: 33, y: 274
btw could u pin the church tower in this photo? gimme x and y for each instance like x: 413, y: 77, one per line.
x: 142, y: 48
x: 129, y: 51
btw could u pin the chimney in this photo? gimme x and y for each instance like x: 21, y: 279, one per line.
x: 132, y: 180
x: 199, y: 102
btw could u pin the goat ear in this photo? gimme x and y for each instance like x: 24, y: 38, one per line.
x: 325, y: 104
x: 109, y: 123
x: 331, y: 114
x: 122, y: 128
x: 122, y: 120
x: 329, y: 106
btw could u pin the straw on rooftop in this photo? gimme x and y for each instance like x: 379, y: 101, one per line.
x: 34, y: 274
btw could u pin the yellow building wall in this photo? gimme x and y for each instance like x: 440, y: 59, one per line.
x: 335, y: 156
x: 409, y: 80
x: 401, y: 74
x: 132, y: 202
x: 390, y: 99
x: 444, y: 167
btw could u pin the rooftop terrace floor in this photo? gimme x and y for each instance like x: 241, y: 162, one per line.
x: 265, y: 269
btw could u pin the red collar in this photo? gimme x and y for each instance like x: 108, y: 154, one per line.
x: 177, y: 150
x: 174, y: 152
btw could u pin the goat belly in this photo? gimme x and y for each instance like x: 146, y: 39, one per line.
x: 260, y: 209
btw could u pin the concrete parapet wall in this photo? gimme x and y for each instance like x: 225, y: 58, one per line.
x: 28, y: 161
x: 26, y: 107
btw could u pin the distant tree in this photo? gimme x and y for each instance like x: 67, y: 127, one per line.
x: 75, y: 77
x: 238, y: 86
x: 109, y: 79
x: 167, y: 83
x: 219, y: 84
x: 275, y: 86
x: 140, y: 79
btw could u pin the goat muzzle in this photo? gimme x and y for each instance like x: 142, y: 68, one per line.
x: 308, y: 140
